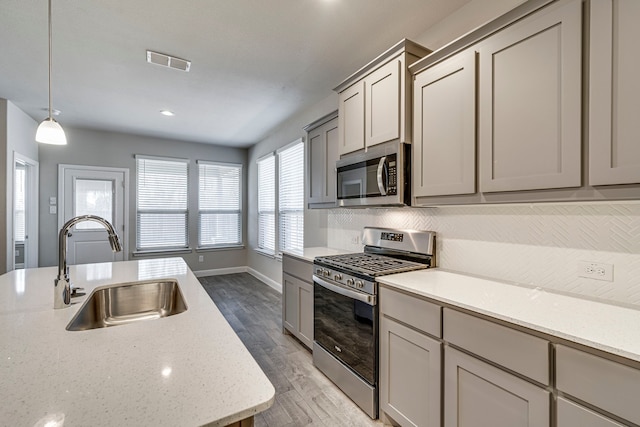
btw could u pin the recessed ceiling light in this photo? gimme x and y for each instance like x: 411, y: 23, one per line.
x: 167, y: 113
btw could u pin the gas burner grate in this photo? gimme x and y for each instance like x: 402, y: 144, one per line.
x: 370, y: 264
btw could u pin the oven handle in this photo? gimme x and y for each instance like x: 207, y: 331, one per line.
x: 360, y: 296
x: 381, y: 167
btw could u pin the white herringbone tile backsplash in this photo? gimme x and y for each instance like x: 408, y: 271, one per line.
x: 538, y: 245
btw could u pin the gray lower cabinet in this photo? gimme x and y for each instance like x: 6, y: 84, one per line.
x: 477, y: 394
x: 410, y: 375
x: 297, y: 299
x: 410, y: 360
x: 601, y: 383
x: 571, y: 414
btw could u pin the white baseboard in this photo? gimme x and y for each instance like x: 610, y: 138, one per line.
x: 231, y: 270
x: 269, y: 282
x: 220, y: 271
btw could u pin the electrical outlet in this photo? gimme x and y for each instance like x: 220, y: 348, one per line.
x: 355, y: 240
x: 595, y: 270
x: 201, y: 258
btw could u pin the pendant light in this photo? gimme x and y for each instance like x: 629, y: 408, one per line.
x: 49, y: 131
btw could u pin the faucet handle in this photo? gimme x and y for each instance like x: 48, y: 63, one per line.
x: 77, y: 292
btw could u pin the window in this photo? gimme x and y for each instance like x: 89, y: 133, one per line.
x: 20, y: 189
x: 291, y: 197
x: 161, y: 210
x: 287, y: 221
x: 219, y: 204
x: 267, y: 204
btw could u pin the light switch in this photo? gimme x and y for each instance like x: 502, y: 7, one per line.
x: 52, y: 200
x: 53, y: 210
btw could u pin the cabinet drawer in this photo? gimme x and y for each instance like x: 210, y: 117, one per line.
x: 571, y: 415
x: 515, y: 350
x: 413, y: 311
x: 603, y: 383
x: 298, y: 268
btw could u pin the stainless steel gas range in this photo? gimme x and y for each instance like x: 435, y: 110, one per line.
x: 345, y: 304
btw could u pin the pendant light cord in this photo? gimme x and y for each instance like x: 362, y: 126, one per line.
x: 50, y: 44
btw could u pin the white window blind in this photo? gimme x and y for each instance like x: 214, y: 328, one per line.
x: 161, y: 207
x: 20, y: 218
x: 291, y: 197
x: 267, y: 204
x: 219, y: 204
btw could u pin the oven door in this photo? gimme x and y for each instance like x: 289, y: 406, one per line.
x: 345, y: 325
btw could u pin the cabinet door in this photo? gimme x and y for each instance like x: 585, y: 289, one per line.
x: 614, y: 92
x: 477, y: 394
x: 305, y: 317
x: 321, y: 169
x: 317, y: 166
x: 290, y: 291
x: 573, y: 415
x: 444, y: 137
x: 530, y: 103
x: 351, y: 118
x: 331, y: 176
x: 409, y: 375
x: 382, y: 111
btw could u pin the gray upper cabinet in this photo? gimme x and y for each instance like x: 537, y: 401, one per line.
x: 351, y: 119
x: 614, y: 92
x: 444, y: 136
x: 375, y: 102
x: 322, y: 154
x: 530, y: 102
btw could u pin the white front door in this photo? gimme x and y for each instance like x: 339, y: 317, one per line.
x: 97, y: 191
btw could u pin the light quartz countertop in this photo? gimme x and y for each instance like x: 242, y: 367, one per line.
x: 186, y: 369
x: 308, y: 254
x: 607, y: 327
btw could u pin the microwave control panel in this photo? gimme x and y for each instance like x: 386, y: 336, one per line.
x: 392, y: 185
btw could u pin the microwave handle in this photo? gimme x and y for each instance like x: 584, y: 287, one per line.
x: 381, y: 167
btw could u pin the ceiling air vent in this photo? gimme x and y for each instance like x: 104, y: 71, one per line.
x: 168, y: 61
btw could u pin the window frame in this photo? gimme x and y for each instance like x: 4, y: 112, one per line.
x: 167, y: 248
x: 277, y: 251
x: 266, y: 250
x: 279, y: 231
x: 239, y: 243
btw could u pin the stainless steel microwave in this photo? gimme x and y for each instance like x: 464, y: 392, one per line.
x: 378, y: 177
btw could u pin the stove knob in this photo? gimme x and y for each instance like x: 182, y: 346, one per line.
x: 325, y: 273
x: 319, y: 272
x: 359, y: 284
x: 337, y: 277
x: 349, y: 282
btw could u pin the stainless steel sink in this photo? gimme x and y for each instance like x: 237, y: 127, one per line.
x: 123, y: 303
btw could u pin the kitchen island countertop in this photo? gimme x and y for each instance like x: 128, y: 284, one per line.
x: 608, y: 327
x: 186, y: 369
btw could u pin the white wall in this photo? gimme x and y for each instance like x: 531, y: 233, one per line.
x: 17, y: 134
x: 463, y: 20
x: 112, y: 149
x: 537, y: 245
x: 315, y: 221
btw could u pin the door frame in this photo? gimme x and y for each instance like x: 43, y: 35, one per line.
x: 62, y: 168
x: 31, y: 205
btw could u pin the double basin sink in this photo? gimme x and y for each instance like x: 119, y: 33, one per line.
x: 124, y: 303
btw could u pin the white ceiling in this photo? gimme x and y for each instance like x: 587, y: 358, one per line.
x: 254, y: 62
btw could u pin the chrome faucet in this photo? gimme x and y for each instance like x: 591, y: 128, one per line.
x: 62, y: 284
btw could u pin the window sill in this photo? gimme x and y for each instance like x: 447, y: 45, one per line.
x: 268, y: 254
x: 162, y: 252
x: 219, y: 248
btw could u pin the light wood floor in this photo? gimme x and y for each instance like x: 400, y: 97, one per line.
x: 304, y: 396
